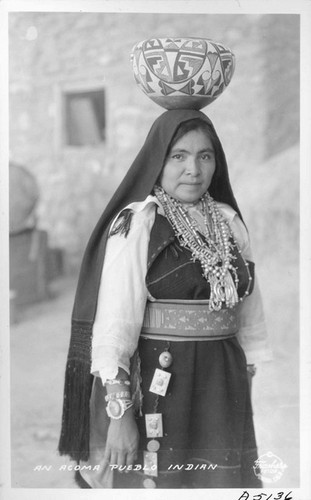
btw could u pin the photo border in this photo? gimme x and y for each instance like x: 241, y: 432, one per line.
x: 303, y: 8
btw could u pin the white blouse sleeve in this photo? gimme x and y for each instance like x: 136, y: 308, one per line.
x: 122, y: 297
x: 252, y: 335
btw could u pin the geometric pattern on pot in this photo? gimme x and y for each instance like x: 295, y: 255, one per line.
x: 182, y: 72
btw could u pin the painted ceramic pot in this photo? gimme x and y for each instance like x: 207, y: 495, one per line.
x: 182, y: 72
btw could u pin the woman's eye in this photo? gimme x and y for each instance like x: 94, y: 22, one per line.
x: 177, y: 156
x: 206, y: 156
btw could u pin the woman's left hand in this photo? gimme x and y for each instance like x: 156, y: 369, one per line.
x: 122, y: 440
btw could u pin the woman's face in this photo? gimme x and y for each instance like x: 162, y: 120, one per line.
x: 189, y: 167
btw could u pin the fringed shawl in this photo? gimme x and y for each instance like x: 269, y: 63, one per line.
x: 137, y: 184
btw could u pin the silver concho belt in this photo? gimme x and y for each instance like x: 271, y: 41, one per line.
x: 188, y: 320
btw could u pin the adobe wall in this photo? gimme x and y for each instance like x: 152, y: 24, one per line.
x: 256, y: 117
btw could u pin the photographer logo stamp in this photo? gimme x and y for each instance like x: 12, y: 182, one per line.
x: 269, y: 467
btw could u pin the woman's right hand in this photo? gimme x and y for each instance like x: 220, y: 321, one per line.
x: 122, y: 440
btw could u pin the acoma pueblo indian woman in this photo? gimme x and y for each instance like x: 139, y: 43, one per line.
x: 167, y: 318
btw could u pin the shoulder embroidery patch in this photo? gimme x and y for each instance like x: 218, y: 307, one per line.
x: 122, y: 225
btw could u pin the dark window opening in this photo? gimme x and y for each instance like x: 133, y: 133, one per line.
x: 85, y: 121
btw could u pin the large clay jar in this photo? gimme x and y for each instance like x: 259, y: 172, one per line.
x: 24, y: 195
x: 182, y: 72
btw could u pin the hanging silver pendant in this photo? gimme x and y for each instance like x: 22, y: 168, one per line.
x: 160, y: 382
x: 151, y: 463
x: 165, y: 359
x: 154, y: 425
x: 149, y: 483
x: 153, y: 445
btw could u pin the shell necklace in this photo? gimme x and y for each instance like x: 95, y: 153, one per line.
x: 214, y: 254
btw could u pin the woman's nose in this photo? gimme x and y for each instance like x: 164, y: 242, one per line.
x: 193, y: 166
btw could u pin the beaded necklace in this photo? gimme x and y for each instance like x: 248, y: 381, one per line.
x: 215, y: 256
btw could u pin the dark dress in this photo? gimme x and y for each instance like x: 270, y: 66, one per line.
x: 209, y: 439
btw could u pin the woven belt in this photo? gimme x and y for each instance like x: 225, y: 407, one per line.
x: 188, y: 320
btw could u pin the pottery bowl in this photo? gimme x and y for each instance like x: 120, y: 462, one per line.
x: 182, y: 72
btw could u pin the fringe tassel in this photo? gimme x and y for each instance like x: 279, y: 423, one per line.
x: 122, y: 225
x: 137, y: 395
x: 75, y: 431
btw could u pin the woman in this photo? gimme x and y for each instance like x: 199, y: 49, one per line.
x: 166, y: 297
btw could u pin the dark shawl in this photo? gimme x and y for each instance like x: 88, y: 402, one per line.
x: 137, y: 184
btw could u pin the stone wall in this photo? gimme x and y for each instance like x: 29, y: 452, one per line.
x: 51, y: 52
x: 281, y: 85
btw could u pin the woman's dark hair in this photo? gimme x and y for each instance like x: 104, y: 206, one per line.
x: 189, y: 126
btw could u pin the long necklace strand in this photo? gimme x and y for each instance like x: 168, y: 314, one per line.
x: 215, y: 256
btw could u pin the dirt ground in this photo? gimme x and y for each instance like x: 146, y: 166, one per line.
x: 39, y: 342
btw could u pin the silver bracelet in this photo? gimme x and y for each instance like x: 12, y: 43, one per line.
x: 118, y: 395
x: 117, y: 407
x: 117, y: 381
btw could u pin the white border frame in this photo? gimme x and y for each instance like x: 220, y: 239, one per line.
x: 301, y: 7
